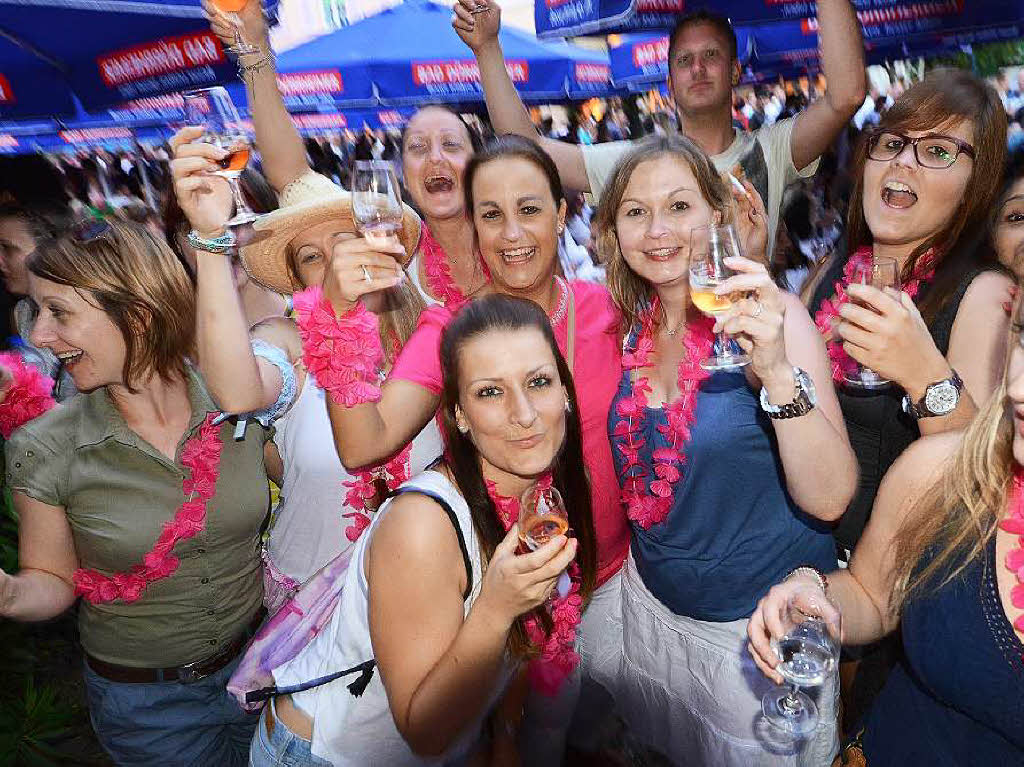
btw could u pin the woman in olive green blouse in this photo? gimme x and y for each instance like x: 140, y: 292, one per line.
x: 135, y: 496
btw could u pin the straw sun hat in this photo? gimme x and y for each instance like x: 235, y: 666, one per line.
x: 307, y: 201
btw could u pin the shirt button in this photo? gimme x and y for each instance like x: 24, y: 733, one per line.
x: 211, y: 612
x: 213, y: 641
x: 200, y: 551
x: 29, y: 453
x: 205, y: 580
x: 17, y: 466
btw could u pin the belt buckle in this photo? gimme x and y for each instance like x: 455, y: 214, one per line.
x: 190, y: 673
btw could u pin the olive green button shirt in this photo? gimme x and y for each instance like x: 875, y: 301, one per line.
x: 118, y: 491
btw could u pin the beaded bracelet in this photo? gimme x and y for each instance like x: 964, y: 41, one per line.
x: 818, y: 574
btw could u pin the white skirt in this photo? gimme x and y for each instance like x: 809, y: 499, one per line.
x: 690, y: 690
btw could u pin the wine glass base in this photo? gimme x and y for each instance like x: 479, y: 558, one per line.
x: 868, y: 384
x: 792, y: 712
x: 725, y: 362
x: 242, y: 218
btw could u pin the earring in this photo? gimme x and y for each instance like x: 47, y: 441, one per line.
x: 568, y: 406
x: 464, y: 428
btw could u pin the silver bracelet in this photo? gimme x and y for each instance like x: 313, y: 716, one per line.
x: 266, y: 60
x: 808, y: 570
x: 222, y: 245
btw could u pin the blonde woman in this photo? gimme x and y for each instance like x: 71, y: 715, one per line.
x: 939, y: 560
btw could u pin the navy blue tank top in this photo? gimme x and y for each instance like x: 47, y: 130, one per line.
x: 957, y: 699
x: 733, y: 530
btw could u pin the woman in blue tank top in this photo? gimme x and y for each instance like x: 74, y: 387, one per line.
x: 729, y: 479
x: 941, y: 559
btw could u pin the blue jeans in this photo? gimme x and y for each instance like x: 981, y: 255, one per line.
x: 169, y: 723
x: 282, y: 749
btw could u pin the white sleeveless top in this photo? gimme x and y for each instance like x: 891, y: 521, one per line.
x: 361, y: 731
x: 309, y: 529
x: 413, y: 270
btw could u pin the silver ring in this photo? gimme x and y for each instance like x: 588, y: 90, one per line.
x: 366, y: 274
x: 758, y: 310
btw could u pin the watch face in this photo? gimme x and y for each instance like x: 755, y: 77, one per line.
x: 942, y: 398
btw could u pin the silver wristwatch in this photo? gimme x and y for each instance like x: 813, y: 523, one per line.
x: 940, y: 398
x: 803, y: 402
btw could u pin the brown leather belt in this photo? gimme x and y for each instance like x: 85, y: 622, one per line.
x: 190, y: 672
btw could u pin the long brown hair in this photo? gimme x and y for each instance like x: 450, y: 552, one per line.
x: 500, y: 312
x: 630, y: 292
x: 944, y: 97
x: 957, y: 517
x: 134, y: 277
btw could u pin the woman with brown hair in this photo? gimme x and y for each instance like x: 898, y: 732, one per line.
x: 447, y: 628
x: 134, y: 496
x: 713, y: 465
x: 940, y: 560
x: 926, y: 181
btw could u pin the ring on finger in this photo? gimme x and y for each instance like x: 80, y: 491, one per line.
x: 366, y: 273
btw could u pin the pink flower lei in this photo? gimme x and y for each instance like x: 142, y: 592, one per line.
x: 558, y: 656
x: 647, y: 505
x: 201, y: 455
x: 1014, y: 523
x: 344, y: 356
x: 843, y: 365
x: 28, y: 396
x: 439, y: 274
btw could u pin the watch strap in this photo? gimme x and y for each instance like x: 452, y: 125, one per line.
x: 920, y: 409
x: 801, y: 404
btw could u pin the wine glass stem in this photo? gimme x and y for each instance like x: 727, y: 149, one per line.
x: 722, y: 342
x: 241, y: 207
x: 791, y: 704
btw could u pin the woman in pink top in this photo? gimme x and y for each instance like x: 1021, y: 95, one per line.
x: 515, y: 197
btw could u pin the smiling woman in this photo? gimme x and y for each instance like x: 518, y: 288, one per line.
x: 1008, y: 224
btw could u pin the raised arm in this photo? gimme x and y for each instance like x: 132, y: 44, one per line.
x: 239, y: 381
x: 479, y: 31
x: 43, y: 588
x: 862, y: 592
x: 280, y: 145
x: 842, y: 57
x: 439, y: 668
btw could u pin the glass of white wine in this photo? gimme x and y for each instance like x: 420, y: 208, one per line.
x: 808, y: 654
x: 880, y: 272
x: 542, y: 516
x: 213, y: 109
x: 709, y: 247
x: 376, y: 200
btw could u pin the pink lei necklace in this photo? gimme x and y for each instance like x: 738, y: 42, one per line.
x: 558, y: 656
x: 1014, y: 523
x: 201, y: 455
x: 439, y: 274
x: 648, y: 504
x: 842, y: 364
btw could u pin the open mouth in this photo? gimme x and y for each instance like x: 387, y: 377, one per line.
x: 69, y: 358
x: 661, y: 254
x: 898, y: 195
x: 516, y: 256
x: 438, y: 184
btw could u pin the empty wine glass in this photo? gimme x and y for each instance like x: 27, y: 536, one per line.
x: 542, y: 516
x: 880, y: 272
x: 709, y: 247
x: 808, y: 653
x: 213, y: 109
x: 376, y: 200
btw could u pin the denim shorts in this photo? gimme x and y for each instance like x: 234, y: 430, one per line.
x: 281, y: 749
x: 170, y: 723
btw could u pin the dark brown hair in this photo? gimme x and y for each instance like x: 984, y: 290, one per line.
x: 945, y: 97
x: 721, y: 24
x: 510, y: 145
x: 500, y: 312
x: 123, y: 269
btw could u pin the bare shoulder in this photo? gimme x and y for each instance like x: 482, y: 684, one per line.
x: 923, y: 463
x: 416, y: 532
x: 986, y: 295
x: 282, y: 333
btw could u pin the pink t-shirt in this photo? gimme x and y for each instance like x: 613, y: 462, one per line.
x: 597, y: 364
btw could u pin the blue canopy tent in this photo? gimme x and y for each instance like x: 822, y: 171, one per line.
x: 879, y: 18
x: 418, y: 59
x: 101, y: 53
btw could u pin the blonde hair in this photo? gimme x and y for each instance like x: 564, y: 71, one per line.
x: 136, y: 279
x: 397, y: 317
x: 630, y: 292
x: 956, y: 518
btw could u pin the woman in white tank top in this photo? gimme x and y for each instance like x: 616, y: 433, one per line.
x: 437, y: 594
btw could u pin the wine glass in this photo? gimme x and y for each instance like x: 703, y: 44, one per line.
x: 376, y: 200
x: 230, y: 9
x: 808, y: 655
x: 213, y: 108
x: 542, y: 516
x: 880, y: 272
x: 709, y: 247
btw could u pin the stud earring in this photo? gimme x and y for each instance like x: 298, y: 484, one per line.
x: 464, y: 428
x: 568, y: 406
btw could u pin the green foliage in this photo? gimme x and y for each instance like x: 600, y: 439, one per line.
x: 987, y: 60
x: 8, y: 532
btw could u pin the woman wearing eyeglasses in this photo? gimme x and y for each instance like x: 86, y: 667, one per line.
x: 926, y: 180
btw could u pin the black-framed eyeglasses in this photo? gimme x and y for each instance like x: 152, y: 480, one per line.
x: 934, y: 150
